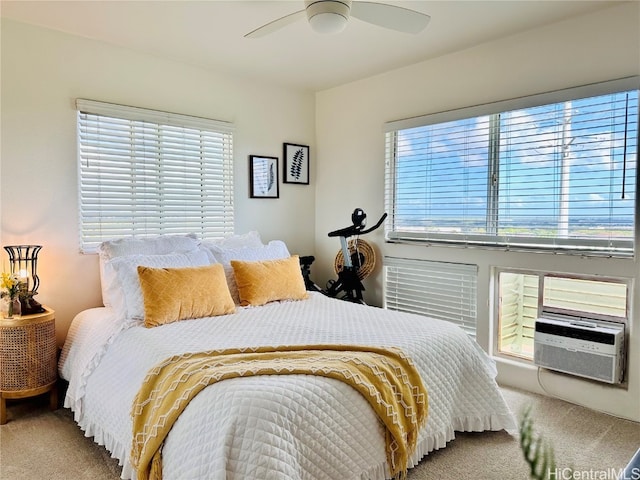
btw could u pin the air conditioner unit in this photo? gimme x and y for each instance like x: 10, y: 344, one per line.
x: 580, y: 346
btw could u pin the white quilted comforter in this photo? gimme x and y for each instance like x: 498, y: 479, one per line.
x: 277, y: 427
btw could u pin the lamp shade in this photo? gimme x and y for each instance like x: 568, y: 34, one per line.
x: 23, y: 260
x: 24, y: 263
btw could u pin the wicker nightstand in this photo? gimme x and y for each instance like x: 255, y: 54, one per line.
x: 28, y: 359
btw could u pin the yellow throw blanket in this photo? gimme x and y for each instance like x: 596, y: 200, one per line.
x: 385, y: 377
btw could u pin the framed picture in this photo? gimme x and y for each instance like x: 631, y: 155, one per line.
x: 296, y: 163
x: 263, y: 177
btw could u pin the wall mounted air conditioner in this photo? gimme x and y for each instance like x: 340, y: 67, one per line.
x: 580, y: 346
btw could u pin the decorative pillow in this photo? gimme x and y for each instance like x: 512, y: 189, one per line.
x: 173, y: 294
x: 153, y: 245
x: 269, y: 280
x: 126, y: 290
x: 274, y: 250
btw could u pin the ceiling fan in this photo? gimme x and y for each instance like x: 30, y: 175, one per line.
x: 331, y: 16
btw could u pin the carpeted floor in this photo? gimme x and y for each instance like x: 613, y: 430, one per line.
x: 37, y: 444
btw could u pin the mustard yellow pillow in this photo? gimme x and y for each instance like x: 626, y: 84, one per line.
x: 172, y: 294
x: 269, y: 280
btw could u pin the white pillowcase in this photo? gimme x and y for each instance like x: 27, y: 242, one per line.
x: 125, y: 290
x: 276, y: 249
x: 232, y: 242
x: 249, y: 239
x: 153, y: 245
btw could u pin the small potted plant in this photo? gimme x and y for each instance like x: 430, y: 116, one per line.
x: 10, y: 294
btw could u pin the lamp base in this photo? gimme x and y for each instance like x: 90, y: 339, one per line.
x: 29, y: 305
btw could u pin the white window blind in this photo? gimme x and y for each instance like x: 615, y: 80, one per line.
x: 447, y: 291
x: 144, y: 172
x: 557, y: 176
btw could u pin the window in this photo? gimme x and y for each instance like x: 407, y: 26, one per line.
x: 447, y: 291
x: 525, y: 296
x: 144, y: 172
x: 551, y: 172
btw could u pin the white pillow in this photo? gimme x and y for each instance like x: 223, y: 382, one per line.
x: 249, y: 239
x: 125, y: 289
x: 232, y: 242
x: 154, y: 245
x: 275, y: 250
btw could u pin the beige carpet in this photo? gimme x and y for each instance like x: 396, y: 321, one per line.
x: 39, y: 444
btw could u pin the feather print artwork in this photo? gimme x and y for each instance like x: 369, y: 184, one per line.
x: 263, y: 180
x: 296, y: 164
x: 272, y: 178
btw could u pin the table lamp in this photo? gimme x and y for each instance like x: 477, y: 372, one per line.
x: 23, y: 260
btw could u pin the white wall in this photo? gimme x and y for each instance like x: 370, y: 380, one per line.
x: 349, y: 122
x: 43, y: 72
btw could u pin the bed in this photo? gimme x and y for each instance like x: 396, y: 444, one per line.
x: 263, y: 427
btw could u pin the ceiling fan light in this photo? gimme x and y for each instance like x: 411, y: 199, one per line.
x: 328, y: 16
x: 328, y: 23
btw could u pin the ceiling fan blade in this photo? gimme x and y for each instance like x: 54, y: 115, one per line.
x: 390, y: 16
x: 275, y: 25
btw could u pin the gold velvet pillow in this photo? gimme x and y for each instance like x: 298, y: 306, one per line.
x: 269, y: 280
x: 172, y: 294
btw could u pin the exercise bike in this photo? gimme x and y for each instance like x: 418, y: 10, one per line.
x: 348, y: 286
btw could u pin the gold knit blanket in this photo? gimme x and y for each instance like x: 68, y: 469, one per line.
x: 386, y: 377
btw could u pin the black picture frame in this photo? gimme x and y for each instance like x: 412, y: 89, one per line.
x: 296, y: 163
x: 263, y: 177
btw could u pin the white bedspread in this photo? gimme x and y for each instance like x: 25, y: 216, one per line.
x: 277, y: 427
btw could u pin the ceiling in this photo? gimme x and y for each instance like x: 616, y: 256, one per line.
x: 210, y: 34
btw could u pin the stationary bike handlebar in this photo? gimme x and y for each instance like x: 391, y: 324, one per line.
x: 359, y: 219
x: 377, y: 225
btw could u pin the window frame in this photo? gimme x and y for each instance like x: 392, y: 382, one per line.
x: 541, y: 274
x: 183, y: 169
x: 490, y: 240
